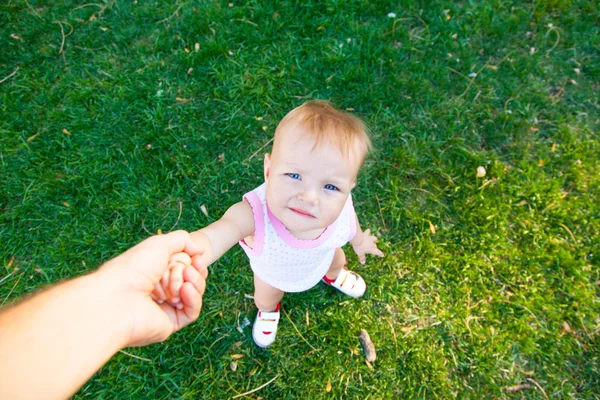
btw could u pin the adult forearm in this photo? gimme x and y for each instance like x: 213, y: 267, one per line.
x: 54, y: 342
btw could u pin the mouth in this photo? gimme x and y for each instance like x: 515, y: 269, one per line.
x: 302, y: 213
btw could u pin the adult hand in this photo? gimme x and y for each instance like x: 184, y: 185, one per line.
x: 134, y: 275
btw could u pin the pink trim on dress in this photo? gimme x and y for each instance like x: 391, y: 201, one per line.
x: 293, y: 241
x: 259, y: 224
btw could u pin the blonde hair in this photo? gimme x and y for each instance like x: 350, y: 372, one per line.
x: 324, y: 122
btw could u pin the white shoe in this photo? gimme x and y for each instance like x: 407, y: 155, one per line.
x: 348, y: 282
x: 265, y: 327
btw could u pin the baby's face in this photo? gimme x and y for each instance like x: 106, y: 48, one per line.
x: 306, y: 188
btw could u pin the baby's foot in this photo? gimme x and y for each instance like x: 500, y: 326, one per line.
x: 348, y: 282
x: 265, y: 327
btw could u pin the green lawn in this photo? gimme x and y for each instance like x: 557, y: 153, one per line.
x: 121, y: 118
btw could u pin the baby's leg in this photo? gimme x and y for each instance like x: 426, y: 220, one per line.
x: 339, y: 277
x: 339, y: 260
x: 266, y: 297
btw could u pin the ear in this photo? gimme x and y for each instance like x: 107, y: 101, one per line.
x: 267, y: 166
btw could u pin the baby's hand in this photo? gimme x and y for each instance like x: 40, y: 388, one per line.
x: 167, y: 289
x: 368, y: 246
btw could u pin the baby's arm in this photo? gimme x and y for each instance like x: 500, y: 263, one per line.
x: 236, y: 224
x: 364, y: 243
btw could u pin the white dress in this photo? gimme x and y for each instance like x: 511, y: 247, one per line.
x: 286, y: 262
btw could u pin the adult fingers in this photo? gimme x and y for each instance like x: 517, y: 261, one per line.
x: 159, y: 293
x: 179, y: 241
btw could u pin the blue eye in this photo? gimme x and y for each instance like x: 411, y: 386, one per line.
x: 293, y: 176
x: 331, y: 187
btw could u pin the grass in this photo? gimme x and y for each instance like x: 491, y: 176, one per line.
x: 116, y: 124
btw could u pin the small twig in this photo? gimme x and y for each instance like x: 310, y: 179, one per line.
x: 303, y: 338
x: 11, y: 290
x: 11, y: 273
x: 516, y: 388
x: 62, y: 33
x: 255, y: 390
x: 33, y: 10
x: 471, y: 80
x: 393, y: 31
x: 147, y: 231
x: 100, y: 6
x: 538, y: 386
x: 381, y: 214
x: 570, y: 233
x: 245, y: 20
x: 421, y: 19
x: 395, y: 340
x: 557, y: 39
x: 11, y: 75
x: 170, y: 16
x: 555, y: 96
x: 178, y: 217
x: 134, y: 356
x: 256, y: 152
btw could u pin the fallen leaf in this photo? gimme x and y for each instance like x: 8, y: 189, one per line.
x: 30, y: 138
x: 368, y: 346
x: 369, y: 365
x: 204, y: 210
x: 553, y: 149
x: 10, y: 262
x: 182, y: 100
x: 258, y: 118
x: 12, y: 35
x: 186, y: 49
x: 222, y: 157
x: 566, y: 328
x: 431, y: 227
x: 354, y: 351
x: 103, y: 29
x: 197, y: 47
x: 159, y: 232
x: 66, y: 204
x: 480, y: 172
x: 148, y: 146
x: 516, y: 388
x: 265, y: 127
x: 541, y: 163
x: 190, y: 70
x: 408, y: 328
x: 328, y: 387
x: 233, y: 366
x: 237, y: 356
x: 66, y: 132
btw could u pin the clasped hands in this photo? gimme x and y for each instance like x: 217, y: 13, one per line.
x: 160, y: 283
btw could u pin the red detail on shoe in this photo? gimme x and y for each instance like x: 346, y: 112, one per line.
x: 267, y: 333
x: 277, y: 309
x: 327, y: 280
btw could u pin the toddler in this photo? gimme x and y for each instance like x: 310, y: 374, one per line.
x: 292, y: 227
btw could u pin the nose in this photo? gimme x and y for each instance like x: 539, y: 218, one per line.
x: 309, y: 196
